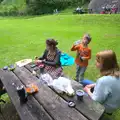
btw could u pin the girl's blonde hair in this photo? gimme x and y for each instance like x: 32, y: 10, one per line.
x: 109, y: 64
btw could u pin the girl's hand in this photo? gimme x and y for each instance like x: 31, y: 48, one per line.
x: 43, y: 60
x: 90, y: 85
x: 38, y: 61
x: 86, y: 89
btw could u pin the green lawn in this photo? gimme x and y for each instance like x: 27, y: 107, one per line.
x: 22, y: 38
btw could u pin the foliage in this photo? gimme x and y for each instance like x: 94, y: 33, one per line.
x: 12, y: 10
x: 8, y: 10
x: 12, y: 7
x: 36, y: 7
x: 48, y: 6
x: 12, y: 2
x: 1, y: 1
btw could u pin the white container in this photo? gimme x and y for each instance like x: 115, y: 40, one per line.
x: 77, y: 42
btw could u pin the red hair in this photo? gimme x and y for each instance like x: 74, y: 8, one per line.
x: 109, y: 63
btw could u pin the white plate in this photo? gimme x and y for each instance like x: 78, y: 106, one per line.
x: 23, y: 62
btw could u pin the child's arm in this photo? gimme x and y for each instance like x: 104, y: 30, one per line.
x: 75, y: 47
x: 88, y: 91
x: 101, y: 90
x: 91, y: 85
x: 88, y: 88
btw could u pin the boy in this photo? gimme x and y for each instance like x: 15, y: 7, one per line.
x: 82, y: 57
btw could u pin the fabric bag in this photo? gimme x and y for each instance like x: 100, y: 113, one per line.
x: 66, y: 60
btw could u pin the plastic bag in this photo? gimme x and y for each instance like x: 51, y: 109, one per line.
x: 46, y: 79
x: 64, y: 85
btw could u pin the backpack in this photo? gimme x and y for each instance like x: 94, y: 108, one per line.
x: 66, y: 60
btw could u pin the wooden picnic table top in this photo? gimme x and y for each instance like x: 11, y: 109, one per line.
x: 47, y: 104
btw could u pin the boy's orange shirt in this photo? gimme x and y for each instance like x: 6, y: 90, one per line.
x: 83, y: 52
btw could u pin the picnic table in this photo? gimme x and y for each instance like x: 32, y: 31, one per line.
x: 47, y: 103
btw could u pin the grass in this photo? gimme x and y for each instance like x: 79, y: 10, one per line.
x: 24, y: 37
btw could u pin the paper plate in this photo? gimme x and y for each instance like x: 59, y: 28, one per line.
x: 23, y: 62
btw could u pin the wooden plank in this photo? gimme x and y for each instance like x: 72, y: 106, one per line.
x: 8, y: 78
x: 53, y: 103
x: 1, y: 117
x: 9, y: 112
x: 91, y: 109
x: 37, y: 109
x: 37, y: 69
x: 29, y: 111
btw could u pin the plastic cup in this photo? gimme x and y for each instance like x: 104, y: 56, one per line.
x: 80, y: 94
x: 22, y: 94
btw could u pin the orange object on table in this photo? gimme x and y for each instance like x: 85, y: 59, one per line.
x: 32, y: 88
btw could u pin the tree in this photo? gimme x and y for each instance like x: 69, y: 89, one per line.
x: 48, y: 6
x: 1, y: 1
